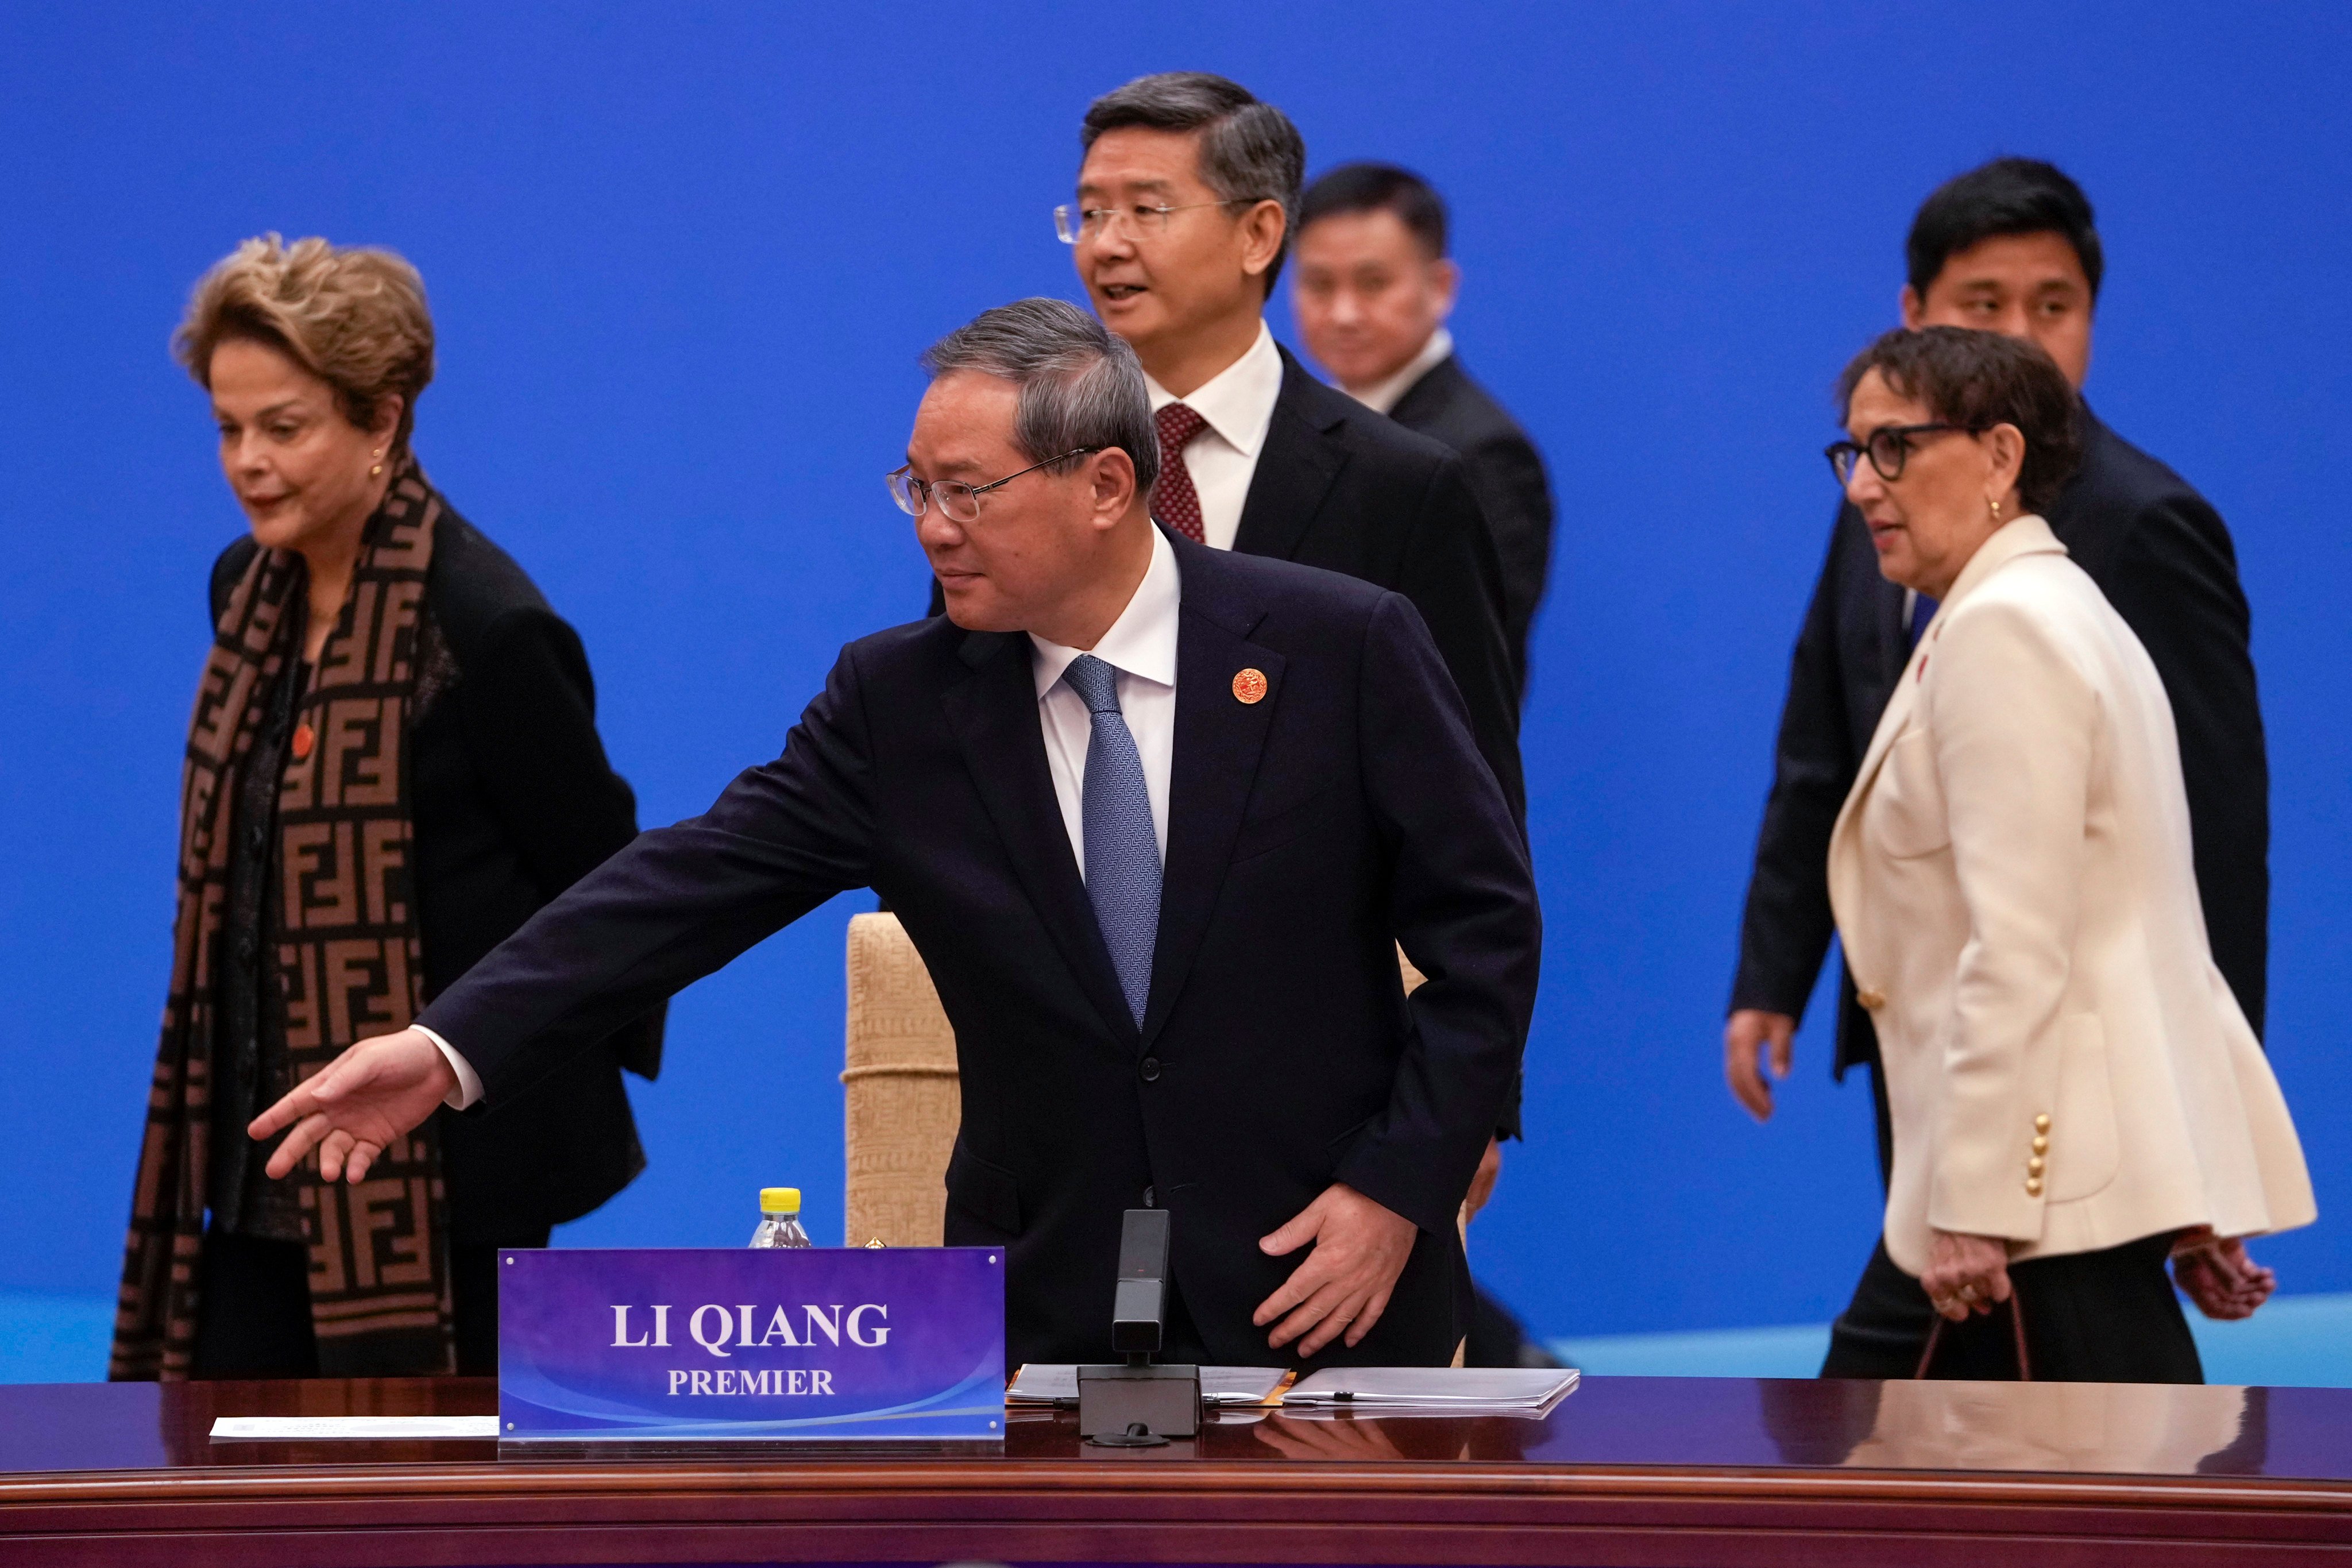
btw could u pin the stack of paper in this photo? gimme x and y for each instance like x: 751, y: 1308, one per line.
x: 1043, y: 1383
x: 1433, y: 1390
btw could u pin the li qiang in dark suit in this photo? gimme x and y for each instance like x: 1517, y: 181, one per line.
x: 1308, y: 833
x: 1507, y: 475
x: 2163, y: 558
x: 514, y: 802
x: 1339, y: 487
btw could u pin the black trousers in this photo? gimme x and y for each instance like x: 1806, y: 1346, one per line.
x: 253, y: 1318
x: 2090, y: 1317
x: 2104, y: 1317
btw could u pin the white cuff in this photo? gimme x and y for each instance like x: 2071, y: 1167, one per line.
x: 469, y: 1085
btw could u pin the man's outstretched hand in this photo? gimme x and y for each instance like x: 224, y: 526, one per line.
x: 358, y: 1104
x: 1361, y: 1247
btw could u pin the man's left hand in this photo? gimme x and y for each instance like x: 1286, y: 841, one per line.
x: 1361, y: 1247
x: 1482, y: 1185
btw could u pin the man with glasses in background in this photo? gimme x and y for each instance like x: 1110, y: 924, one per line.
x: 1187, y: 201
x: 2008, y: 247
x: 1187, y: 205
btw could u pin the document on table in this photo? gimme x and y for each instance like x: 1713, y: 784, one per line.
x: 311, y: 1428
x: 1434, y: 1389
x: 1056, y: 1382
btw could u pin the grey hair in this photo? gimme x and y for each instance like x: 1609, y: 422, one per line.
x: 1080, y: 384
x: 1249, y: 151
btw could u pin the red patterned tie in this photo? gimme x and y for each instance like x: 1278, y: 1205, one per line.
x: 1175, y: 501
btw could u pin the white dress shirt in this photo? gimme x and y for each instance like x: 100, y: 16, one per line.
x: 469, y: 1083
x: 1238, y: 403
x: 1140, y: 645
x: 1387, y: 392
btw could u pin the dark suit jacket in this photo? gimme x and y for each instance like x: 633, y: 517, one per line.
x: 1339, y: 487
x: 2163, y: 558
x: 1277, y: 1054
x: 513, y: 802
x: 1507, y: 475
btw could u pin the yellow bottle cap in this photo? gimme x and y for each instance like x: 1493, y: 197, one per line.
x: 780, y: 1200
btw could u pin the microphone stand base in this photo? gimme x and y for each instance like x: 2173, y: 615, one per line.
x: 1164, y: 1402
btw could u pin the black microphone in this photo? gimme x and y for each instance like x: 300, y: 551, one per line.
x: 1138, y: 1306
x: 1139, y: 1404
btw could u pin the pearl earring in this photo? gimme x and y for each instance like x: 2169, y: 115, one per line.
x: 1996, y: 511
x: 378, y: 453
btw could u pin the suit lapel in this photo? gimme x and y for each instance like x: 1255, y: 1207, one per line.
x: 994, y: 716
x: 1425, y: 399
x: 1219, y: 740
x: 1296, y: 465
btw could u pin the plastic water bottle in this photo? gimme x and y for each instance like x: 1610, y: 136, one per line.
x: 780, y: 1218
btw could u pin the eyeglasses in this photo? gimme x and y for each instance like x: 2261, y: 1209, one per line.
x: 1074, y: 223
x: 958, y: 501
x: 1889, y: 448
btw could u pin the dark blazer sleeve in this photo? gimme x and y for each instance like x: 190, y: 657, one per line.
x: 1506, y: 474
x: 2175, y: 581
x: 527, y: 713
x: 1785, y: 931
x: 530, y: 723
x: 1450, y: 573
x: 674, y: 904
x: 1462, y: 908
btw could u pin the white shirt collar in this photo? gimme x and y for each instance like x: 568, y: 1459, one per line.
x: 1384, y: 395
x: 1238, y: 401
x: 1142, y: 642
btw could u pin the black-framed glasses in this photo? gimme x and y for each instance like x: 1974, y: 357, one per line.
x: 1888, y: 449
x: 1074, y: 222
x: 958, y: 501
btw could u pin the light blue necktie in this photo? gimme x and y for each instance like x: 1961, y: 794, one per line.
x: 1122, y: 855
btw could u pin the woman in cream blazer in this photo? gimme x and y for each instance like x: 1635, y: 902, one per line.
x: 2073, y: 1091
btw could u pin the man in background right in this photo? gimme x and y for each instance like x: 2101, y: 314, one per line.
x: 2011, y: 248
x: 1374, y: 287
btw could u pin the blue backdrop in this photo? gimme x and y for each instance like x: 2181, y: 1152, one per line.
x: 682, y: 260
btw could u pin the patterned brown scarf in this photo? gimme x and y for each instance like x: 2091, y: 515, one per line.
x: 346, y: 964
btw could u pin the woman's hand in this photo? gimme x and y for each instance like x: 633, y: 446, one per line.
x: 2216, y: 1273
x: 1966, y: 1274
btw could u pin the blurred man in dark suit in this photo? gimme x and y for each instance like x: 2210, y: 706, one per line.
x: 1187, y: 200
x: 1373, y: 289
x: 1371, y: 294
x: 2008, y: 247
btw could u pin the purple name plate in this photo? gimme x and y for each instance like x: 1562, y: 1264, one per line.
x: 824, y: 1344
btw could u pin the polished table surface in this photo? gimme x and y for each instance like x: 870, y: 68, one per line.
x: 1624, y: 1470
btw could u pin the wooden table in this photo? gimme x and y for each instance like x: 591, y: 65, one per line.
x: 1626, y: 1470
